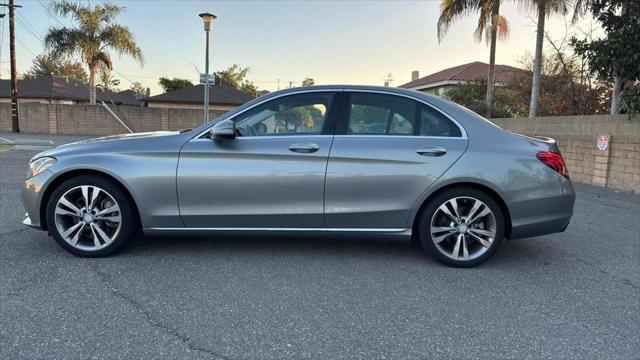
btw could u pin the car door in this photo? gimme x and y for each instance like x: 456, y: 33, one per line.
x: 387, y: 151
x: 270, y: 176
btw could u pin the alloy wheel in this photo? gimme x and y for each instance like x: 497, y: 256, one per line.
x: 463, y: 228
x: 88, y: 218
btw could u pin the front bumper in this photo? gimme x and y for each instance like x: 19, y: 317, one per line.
x: 27, y: 222
x: 32, y: 197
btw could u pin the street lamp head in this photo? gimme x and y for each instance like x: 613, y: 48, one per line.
x: 208, y: 20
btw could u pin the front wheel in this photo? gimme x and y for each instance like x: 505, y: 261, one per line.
x: 90, y: 216
x: 461, y: 227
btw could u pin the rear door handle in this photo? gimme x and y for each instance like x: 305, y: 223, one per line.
x: 304, y: 147
x: 432, y: 151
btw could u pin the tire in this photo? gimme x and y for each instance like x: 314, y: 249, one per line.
x: 112, y: 224
x: 477, y: 235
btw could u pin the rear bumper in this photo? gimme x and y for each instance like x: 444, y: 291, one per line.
x: 544, y: 216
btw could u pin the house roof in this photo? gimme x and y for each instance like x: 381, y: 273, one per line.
x: 60, y: 88
x: 218, y: 94
x: 465, y: 72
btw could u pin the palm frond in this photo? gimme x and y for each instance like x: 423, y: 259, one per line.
x: 109, y: 12
x: 63, y: 41
x: 120, y: 38
x: 102, y: 60
x: 450, y: 10
x: 64, y: 7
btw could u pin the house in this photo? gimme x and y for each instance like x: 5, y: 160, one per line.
x: 221, y: 97
x: 60, y: 90
x: 438, y: 82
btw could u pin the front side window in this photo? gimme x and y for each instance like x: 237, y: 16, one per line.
x: 302, y: 114
x: 377, y: 114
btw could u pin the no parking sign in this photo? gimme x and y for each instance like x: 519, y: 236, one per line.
x: 603, y: 142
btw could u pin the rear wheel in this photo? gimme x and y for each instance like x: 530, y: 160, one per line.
x: 90, y: 216
x: 461, y: 227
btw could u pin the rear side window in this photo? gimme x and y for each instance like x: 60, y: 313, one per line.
x: 434, y: 123
x: 376, y: 114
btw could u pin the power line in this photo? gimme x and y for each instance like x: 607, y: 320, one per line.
x: 29, y: 29
x: 25, y: 47
x: 49, y: 11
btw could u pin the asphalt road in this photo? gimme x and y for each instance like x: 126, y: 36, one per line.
x: 573, y: 295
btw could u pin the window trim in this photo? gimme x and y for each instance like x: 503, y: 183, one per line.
x: 341, y: 127
x: 340, y: 94
x: 329, y: 123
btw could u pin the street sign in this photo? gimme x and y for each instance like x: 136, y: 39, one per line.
x: 603, y: 142
x: 210, y: 77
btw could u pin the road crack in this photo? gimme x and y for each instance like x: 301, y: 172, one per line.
x: 152, y: 320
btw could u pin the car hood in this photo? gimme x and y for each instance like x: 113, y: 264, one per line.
x: 127, y: 136
x: 107, y: 143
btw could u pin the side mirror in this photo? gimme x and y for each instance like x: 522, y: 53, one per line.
x: 225, y: 129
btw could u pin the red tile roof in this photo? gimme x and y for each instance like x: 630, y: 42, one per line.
x: 465, y: 72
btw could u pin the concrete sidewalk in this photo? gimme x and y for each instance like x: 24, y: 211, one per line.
x: 35, y: 142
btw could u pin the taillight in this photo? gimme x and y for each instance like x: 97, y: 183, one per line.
x: 555, y: 161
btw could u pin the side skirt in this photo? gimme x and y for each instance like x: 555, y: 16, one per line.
x: 369, y: 233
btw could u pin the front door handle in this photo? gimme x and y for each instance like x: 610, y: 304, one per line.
x: 304, y: 147
x: 432, y: 151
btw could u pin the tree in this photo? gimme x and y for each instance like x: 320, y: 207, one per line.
x: 47, y: 65
x: 308, y: 82
x: 94, y: 34
x: 106, y: 81
x: 617, y: 55
x: 236, y: 77
x: 490, y: 23
x: 174, y: 84
x: 567, y: 87
x: 544, y: 9
x: 138, y: 88
x: 472, y: 93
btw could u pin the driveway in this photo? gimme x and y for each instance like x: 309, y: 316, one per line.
x: 574, y: 295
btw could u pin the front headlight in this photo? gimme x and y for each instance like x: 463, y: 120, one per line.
x: 40, y: 164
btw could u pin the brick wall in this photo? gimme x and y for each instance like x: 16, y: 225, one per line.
x: 96, y: 120
x: 617, y: 167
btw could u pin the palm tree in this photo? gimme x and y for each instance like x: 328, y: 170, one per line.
x: 544, y: 8
x: 490, y: 23
x: 94, y: 34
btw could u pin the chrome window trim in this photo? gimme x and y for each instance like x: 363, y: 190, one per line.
x: 463, y: 132
x: 388, y: 230
x: 266, y: 100
x: 401, y: 137
x: 240, y: 138
x: 347, y: 89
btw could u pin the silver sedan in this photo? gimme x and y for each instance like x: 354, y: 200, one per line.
x: 338, y: 161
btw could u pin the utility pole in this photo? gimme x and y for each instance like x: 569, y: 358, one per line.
x: 15, y: 121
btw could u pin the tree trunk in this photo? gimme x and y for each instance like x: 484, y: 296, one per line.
x: 92, y: 86
x: 492, y: 61
x: 618, y: 82
x: 537, y: 63
x: 615, y: 95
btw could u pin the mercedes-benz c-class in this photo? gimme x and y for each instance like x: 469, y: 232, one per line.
x: 327, y: 160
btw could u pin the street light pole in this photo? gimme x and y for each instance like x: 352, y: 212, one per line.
x: 207, y: 18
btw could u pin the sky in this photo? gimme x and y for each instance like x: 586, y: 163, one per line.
x: 333, y: 42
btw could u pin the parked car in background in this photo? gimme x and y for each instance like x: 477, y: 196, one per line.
x: 331, y: 160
